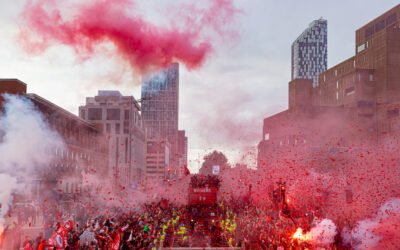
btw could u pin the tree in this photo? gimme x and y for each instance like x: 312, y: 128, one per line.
x: 212, y: 159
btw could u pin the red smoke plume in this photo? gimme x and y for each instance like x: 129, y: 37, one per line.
x: 144, y: 45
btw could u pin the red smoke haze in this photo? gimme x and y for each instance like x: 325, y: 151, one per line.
x: 142, y: 44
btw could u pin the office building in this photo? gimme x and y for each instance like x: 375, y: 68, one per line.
x: 119, y: 118
x: 160, y: 109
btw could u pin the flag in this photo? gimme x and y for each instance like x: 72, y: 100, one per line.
x: 117, y: 239
x: 59, y: 239
x: 187, y: 171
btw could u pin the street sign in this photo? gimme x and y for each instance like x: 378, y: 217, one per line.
x: 216, y: 170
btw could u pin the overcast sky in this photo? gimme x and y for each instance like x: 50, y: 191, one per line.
x: 222, y: 104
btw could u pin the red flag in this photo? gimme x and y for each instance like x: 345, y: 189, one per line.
x: 115, y: 244
x: 59, y: 239
x: 187, y: 171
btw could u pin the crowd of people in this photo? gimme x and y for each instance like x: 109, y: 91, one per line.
x: 236, y: 223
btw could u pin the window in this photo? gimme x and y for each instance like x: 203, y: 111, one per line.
x: 126, y: 150
x: 350, y: 91
x: 95, y: 114
x: 108, y: 128
x: 126, y: 127
x: 126, y: 116
x: 337, y: 95
x: 359, y: 49
x: 371, y: 77
x: 266, y: 137
x: 380, y: 26
x: 369, y: 31
x: 83, y: 114
x: 117, y: 128
x: 393, y: 113
x: 391, y: 19
x: 113, y: 114
x: 337, y: 84
x: 365, y: 104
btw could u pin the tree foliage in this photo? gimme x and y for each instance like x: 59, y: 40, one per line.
x: 212, y: 159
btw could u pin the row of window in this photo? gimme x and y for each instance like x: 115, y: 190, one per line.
x: 380, y: 25
x: 66, y: 165
x: 71, y: 155
x: 72, y: 188
x: 68, y: 128
x: 117, y: 128
x: 112, y: 114
x: 295, y: 142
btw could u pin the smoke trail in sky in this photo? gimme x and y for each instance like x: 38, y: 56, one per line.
x: 142, y: 44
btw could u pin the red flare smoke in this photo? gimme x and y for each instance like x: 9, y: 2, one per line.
x: 144, y: 45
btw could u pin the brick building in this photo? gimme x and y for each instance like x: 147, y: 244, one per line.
x: 345, y: 128
x: 84, y: 148
x: 358, y: 99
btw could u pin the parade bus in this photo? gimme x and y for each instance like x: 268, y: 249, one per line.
x: 202, y: 197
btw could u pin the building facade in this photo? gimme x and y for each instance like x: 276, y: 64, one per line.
x: 84, y: 149
x: 119, y: 118
x: 366, y: 86
x: 158, y: 166
x: 352, y: 112
x: 160, y: 109
x: 182, y: 151
x: 310, y: 52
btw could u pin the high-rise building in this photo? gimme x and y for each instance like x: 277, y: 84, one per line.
x: 118, y: 117
x: 310, y: 52
x: 160, y: 103
x: 182, y: 151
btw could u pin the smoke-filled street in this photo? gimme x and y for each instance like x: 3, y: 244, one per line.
x: 214, y: 124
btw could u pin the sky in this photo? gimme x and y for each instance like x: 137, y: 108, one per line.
x: 222, y: 103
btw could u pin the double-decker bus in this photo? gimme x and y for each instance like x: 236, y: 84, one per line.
x: 202, y: 198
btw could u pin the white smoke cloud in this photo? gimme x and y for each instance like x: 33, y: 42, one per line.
x: 26, y: 143
x: 8, y: 185
x: 323, y: 233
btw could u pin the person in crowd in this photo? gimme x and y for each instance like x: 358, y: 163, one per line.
x: 37, y: 241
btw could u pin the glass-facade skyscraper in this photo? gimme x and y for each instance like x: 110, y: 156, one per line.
x: 310, y: 52
x: 160, y: 105
x: 160, y: 102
